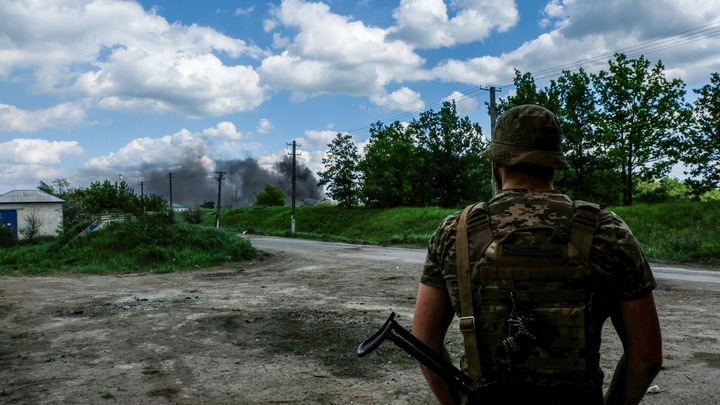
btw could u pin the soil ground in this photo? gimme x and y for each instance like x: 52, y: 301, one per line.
x: 280, y: 330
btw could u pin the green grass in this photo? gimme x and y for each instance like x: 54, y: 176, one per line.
x: 359, y: 225
x: 141, y: 245
x: 679, y: 231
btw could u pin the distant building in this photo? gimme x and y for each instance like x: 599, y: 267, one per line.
x: 20, y: 209
x: 179, y: 207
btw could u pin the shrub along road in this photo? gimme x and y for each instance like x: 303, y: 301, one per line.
x: 279, y: 330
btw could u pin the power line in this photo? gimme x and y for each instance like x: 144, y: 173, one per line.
x: 667, y: 42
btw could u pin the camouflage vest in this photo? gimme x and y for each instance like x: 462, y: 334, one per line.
x: 531, y: 310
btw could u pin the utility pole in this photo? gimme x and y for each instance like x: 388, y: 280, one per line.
x: 292, y: 219
x: 493, y: 116
x: 493, y: 112
x: 142, y: 189
x: 220, y: 177
x: 170, y: 176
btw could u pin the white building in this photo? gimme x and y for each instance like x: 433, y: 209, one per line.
x: 22, y: 210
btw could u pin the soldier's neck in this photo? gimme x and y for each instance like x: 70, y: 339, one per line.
x: 532, y: 184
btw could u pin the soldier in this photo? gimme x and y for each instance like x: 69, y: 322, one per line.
x: 533, y: 276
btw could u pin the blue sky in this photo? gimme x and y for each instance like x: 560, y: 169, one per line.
x: 91, y: 89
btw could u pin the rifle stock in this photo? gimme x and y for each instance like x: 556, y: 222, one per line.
x: 454, y: 377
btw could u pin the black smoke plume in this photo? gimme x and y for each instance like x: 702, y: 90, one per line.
x: 192, y: 184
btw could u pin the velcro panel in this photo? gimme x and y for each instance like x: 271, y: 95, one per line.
x: 532, y: 273
x: 535, y: 296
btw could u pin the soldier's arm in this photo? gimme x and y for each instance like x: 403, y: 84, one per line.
x: 637, y: 324
x: 432, y: 317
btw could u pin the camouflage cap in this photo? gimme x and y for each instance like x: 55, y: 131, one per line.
x: 527, y: 134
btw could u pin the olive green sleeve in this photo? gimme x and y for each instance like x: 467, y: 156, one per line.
x: 438, y: 247
x: 619, y: 260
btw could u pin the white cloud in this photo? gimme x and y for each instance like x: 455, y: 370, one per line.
x: 312, y: 159
x: 182, y: 146
x: 280, y: 41
x: 475, y: 71
x: 25, y: 176
x: 427, y: 23
x: 224, y: 130
x: 129, y: 58
x: 24, y: 162
x: 244, y: 11
x: 641, y: 28
x: 464, y: 105
x: 264, y: 126
x: 269, y: 24
x: 402, y: 99
x: 65, y: 115
x: 268, y: 161
x: 167, y: 150
x: 234, y: 149
x: 37, y: 151
x: 587, y: 33
x: 332, y: 54
x: 319, y: 139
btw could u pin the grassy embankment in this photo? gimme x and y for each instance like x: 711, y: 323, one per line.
x: 139, y: 245
x: 681, y: 231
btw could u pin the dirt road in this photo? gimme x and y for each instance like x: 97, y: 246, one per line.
x: 281, y: 330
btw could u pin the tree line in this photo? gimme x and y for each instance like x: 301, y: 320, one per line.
x: 624, y: 129
x: 432, y: 161
x: 85, y: 203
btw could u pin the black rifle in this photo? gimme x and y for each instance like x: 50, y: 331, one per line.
x: 454, y: 377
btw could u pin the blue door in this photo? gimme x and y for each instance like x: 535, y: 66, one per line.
x: 9, y: 218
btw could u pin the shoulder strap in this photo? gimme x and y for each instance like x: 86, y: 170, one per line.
x: 479, y: 226
x: 585, y: 221
x: 467, y: 311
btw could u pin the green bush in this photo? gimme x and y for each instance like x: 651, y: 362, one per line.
x: 712, y: 195
x: 664, y: 190
x: 270, y: 197
x: 193, y: 216
x: 68, y: 234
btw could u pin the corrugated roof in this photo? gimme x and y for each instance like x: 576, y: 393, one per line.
x: 28, y: 196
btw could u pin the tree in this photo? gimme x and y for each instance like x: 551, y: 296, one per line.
x: 388, y: 166
x: 641, y: 117
x: 703, y: 152
x: 526, y: 92
x: 109, y: 197
x: 84, y: 203
x: 59, y: 188
x: 271, y: 196
x: 341, y: 175
x: 451, y: 162
x: 591, y: 176
x: 154, y: 203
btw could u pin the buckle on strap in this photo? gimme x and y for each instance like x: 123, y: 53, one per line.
x: 467, y: 324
